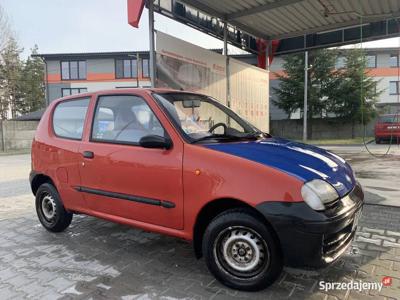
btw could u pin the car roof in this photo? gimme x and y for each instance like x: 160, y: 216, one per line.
x: 385, y: 115
x: 121, y: 91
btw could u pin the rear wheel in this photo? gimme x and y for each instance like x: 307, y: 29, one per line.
x: 378, y: 140
x: 50, y: 210
x: 241, y: 251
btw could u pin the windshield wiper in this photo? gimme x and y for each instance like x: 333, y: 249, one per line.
x: 228, y: 137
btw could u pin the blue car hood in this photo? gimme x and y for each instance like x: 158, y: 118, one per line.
x: 303, y: 161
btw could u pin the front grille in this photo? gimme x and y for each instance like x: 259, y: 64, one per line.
x: 335, y: 242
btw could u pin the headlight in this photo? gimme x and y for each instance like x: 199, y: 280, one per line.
x: 317, y: 192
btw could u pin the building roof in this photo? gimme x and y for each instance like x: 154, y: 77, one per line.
x: 49, y: 56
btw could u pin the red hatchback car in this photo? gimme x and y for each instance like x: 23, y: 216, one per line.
x: 184, y: 165
x: 387, y: 128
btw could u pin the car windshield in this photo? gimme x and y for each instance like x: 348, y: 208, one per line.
x: 200, y: 118
x: 389, y: 119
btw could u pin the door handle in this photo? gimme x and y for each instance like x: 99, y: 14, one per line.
x: 88, y: 154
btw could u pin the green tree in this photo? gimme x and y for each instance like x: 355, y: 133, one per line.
x: 321, y: 77
x: 355, y: 93
x: 32, y: 96
x: 10, y: 75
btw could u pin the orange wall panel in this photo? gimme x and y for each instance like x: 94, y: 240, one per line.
x: 384, y: 72
x: 56, y: 78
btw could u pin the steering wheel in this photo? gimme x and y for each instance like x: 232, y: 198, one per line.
x: 215, y: 126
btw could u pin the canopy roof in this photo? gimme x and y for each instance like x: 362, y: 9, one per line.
x: 276, y: 19
x: 298, y: 24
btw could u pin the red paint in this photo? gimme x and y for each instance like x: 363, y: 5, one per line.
x: 188, y: 175
x: 387, y: 281
x: 135, y: 9
x: 385, y: 130
x: 262, y: 48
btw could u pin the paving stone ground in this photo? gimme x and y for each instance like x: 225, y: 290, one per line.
x: 95, y: 259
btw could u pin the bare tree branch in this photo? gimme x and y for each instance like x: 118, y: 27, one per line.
x: 5, y: 30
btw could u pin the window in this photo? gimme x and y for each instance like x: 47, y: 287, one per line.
x: 69, y: 118
x: 394, y: 87
x: 200, y: 118
x: 73, y: 70
x: 72, y: 91
x: 145, y: 67
x: 126, y: 68
x: 394, y: 61
x: 340, y: 62
x: 371, y: 61
x: 388, y: 119
x: 124, y: 119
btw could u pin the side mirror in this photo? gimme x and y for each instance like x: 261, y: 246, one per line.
x: 155, y: 141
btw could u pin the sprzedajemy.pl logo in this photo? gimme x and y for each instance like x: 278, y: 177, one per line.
x: 357, y: 285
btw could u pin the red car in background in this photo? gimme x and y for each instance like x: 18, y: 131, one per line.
x: 387, y: 128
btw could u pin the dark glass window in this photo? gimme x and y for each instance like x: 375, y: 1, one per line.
x: 72, y: 91
x: 394, y: 61
x: 134, y: 68
x: 124, y: 119
x: 145, y: 67
x: 69, y: 118
x: 65, y: 70
x: 371, y: 61
x: 340, y: 62
x: 82, y: 69
x: 394, y: 87
x: 73, y: 65
x: 73, y: 70
x: 125, y: 68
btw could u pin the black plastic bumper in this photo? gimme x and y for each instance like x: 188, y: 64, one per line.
x: 314, y: 239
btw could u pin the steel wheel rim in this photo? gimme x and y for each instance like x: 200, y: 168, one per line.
x: 48, y: 207
x: 241, y: 251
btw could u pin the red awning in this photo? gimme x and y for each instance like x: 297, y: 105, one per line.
x: 135, y: 9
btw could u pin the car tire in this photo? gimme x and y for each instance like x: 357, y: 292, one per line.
x: 377, y: 141
x: 241, y: 251
x: 50, y: 210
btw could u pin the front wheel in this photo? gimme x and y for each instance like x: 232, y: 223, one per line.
x: 241, y: 251
x: 50, y: 210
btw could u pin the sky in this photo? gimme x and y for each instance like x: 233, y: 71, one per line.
x: 65, y: 26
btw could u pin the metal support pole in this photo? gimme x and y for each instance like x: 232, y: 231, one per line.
x: 267, y: 53
x: 227, y: 72
x: 305, y: 96
x: 46, y: 82
x: 152, y: 48
x: 137, y: 69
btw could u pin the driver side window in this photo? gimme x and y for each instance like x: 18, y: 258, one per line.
x: 124, y: 119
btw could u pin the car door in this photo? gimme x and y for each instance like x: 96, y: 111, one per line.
x: 60, y: 154
x: 118, y: 176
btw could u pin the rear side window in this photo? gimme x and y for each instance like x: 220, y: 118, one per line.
x: 124, y: 119
x: 388, y: 119
x: 69, y: 118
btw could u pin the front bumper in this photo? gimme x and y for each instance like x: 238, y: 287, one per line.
x: 314, y: 239
x: 388, y: 136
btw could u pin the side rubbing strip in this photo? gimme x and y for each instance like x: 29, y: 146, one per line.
x: 163, y: 203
